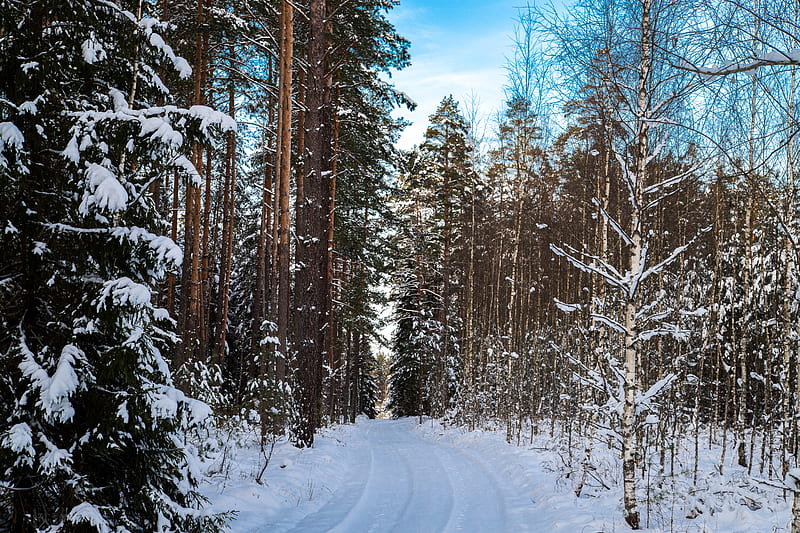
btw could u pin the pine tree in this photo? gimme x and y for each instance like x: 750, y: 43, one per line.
x: 446, y: 172
x: 367, y: 387
x: 91, y: 437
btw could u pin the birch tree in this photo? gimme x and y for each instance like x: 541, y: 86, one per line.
x: 642, y: 83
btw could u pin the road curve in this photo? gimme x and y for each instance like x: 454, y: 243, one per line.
x: 405, y: 483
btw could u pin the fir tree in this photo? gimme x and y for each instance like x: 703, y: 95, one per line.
x: 91, y: 427
x: 436, y: 182
x: 414, y: 339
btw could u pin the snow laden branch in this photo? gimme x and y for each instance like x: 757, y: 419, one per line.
x: 773, y: 58
x: 168, y: 254
x: 677, y: 252
x: 612, y: 222
x: 11, y: 139
x: 591, y: 378
x: 601, y: 268
x: 164, y: 130
x: 52, y: 391
x: 608, y: 322
x: 645, y: 401
x: 670, y: 182
x: 667, y: 330
x: 595, y: 317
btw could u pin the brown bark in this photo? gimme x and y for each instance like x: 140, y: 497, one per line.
x: 284, y: 157
x: 172, y: 279
x: 227, y: 237
x: 334, y: 362
x: 312, y: 294
x: 189, y: 323
x: 265, y: 258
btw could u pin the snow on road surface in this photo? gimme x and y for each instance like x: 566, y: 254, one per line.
x: 385, y: 476
x: 407, y: 484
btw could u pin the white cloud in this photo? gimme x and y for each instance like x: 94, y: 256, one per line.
x: 429, y: 87
x: 451, y: 58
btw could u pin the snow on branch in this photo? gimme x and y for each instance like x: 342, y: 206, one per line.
x: 654, y: 154
x: 592, y: 378
x: 157, y: 123
x: 103, y: 191
x: 11, y: 138
x: 207, y: 117
x: 54, y: 391
x: 124, y: 291
x: 565, y: 307
x: 613, y: 223
x: 609, y: 322
x: 162, y: 246
x: 628, y: 180
x: 767, y: 59
x: 675, y: 180
x: 183, y: 165
x: 602, y: 269
x: 636, y: 280
x: 655, y: 269
x: 86, y: 513
x: 19, y: 439
x: 658, y: 316
x: 181, y: 66
x: 666, y: 330
x: 643, y: 400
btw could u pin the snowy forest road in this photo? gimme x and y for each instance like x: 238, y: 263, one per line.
x: 407, y: 483
x: 397, y: 476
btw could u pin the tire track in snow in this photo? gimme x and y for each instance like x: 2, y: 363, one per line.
x: 431, y: 500
x: 347, y: 498
x: 414, y: 484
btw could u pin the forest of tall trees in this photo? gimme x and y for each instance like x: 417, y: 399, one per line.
x: 618, y: 261
x: 203, y: 212
x: 169, y: 234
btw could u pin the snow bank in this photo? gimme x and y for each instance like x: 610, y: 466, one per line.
x: 536, y: 482
x: 541, y: 472
x: 297, y: 482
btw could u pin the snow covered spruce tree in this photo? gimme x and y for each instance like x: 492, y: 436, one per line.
x: 91, y: 426
x: 414, y: 342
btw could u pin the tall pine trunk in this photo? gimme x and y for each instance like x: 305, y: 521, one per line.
x: 312, y: 294
x: 284, y: 157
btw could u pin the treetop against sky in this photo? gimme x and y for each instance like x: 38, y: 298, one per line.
x: 457, y: 48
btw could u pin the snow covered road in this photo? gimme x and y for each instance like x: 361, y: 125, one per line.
x: 385, y: 476
x: 409, y: 484
x: 377, y: 476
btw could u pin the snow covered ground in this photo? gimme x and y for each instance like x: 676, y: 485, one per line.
x: 399, y: 476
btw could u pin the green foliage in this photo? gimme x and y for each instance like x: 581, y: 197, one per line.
x: 91, y: 427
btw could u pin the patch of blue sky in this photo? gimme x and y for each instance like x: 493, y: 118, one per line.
x: 458, y: 47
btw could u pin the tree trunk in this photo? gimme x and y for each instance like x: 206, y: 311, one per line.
x: 630, y: 451
x: 228, y: 210
x: 312, y: 294
x: 284, y: 158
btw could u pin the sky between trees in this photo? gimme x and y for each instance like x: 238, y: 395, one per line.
x: 457, y: 47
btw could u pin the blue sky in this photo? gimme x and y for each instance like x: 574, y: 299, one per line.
x: 458, y: 47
